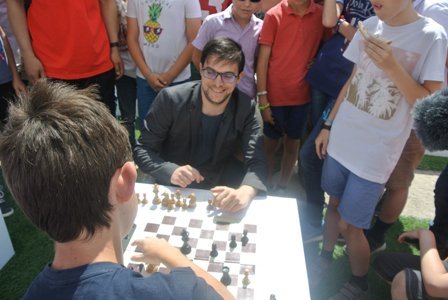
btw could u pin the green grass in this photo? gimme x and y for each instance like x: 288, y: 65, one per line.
x: 433, y: 163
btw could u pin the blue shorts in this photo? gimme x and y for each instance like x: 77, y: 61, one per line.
x: 289, y: 120
x: 358, y: 197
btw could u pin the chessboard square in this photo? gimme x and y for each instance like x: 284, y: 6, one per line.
x: 232, y: 257
x: 151, y: 227
x: 222, y: 226
x: 207, y: 234
x: 165, y: 229
x: 221, y: 245
x: 177, y: 230
x: 245, y: 294
x: 193, y: 242
x: 195, y: 223
x: 202, y: 254
x: 169, y: 220
x: 221, y: 236
x: 250, y: 248
x: 249, y: 268
x: 163, y: 236
x: 204, y: 244
x: 234, y: 281
x: 251, y: 228
x: 214, y: 267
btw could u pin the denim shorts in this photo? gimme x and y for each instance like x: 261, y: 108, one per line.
x: 289, y: 120
x: 357, y: 197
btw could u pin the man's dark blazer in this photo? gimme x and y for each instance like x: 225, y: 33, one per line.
x: 172, y: 129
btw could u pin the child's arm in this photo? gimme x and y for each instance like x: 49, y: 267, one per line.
x: 156, y: 251
x: 435, y: 276
x: 192, y: 28
x: 262, y: 77
x: 33, y: 67
x: 153, y: 79
x: 17, y: 83
x: 330, y: 17
x: 324, y: 135
x: 381, y: 55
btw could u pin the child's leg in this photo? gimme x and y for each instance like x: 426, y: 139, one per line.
x: 289, y: 158
x: 357, y: 246
x: 270, y: 145
x: 331, y: 229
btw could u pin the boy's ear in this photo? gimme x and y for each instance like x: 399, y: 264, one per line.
x: 124, y: 181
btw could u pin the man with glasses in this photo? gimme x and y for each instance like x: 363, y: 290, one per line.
x: 239, y: 23
x: 193, y: 131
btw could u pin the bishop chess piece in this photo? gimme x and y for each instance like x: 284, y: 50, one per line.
x: 214, y: 252
x: 226, y: 279
x: 186, y: 248
x: 232, y: 244
x: 244, y: 238
x: 246, y: 280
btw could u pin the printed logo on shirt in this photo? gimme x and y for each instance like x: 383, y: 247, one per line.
x: 372, y: 91
x: 152, y: 29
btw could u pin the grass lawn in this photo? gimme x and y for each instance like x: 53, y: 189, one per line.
x: 34, y: 250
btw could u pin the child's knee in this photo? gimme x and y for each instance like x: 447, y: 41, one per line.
x: 398, y: 286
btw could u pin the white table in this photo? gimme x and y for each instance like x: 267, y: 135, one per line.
x: 280, y: 268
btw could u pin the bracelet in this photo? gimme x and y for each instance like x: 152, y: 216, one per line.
x: 114, y: 44
x: 328, y: 120
x: 263, y: 107
x: 262, y: 93
x: 341, y: 20
x: 325, y: 126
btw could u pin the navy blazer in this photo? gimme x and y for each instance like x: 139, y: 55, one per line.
x: 172, y: 128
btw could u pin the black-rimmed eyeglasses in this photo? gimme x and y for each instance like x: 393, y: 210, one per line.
x: 226, y: 77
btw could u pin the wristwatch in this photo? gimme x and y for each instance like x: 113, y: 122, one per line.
x: 114, y: 44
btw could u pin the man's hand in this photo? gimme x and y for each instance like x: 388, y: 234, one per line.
x: 33, y: 68
x: 321, y: 143
x: 155, y: 81
x: 117, y: 62
x: 233, y: 200
x: 185, y: 175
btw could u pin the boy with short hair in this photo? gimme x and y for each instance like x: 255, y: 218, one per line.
x: 372, y: 125
x: 69, y: 166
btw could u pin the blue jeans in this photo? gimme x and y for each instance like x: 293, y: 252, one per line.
x: 311, y: 168
x: 319, y: 101
x: 146, y: 95
x: 127, y: 100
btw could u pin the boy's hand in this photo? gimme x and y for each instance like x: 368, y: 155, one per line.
x: 321, y: 143
x: 152, y: 249
x: 380, y: 52
x: 407, y: 236
x: 34, y: 68
x: 233, y: 200
x: 155, y: 81
x: 266, y: 115
x: 19, y: 86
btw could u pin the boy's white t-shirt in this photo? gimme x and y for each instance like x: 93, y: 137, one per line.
x: 374, y: 120
x: 161, y: 50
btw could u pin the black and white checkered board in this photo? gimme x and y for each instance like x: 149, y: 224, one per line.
x: 203, y: 232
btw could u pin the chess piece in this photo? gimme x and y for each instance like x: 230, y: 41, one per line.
x: 192, y: 203
x: 151, y: 268
x: 185, y: 235
x: 210, y: 205
x: 225, y: 279
x: 170, y: 203
x: 244, y: 238
x: 214, y: 251
x: 156, y: 200
x: 186, y: 248
x: 246, y: 280
x: 138, y: 197
x: 184, y: 204
x: 232, y: 244
x: 178, y: 199
x: 144, y: 201
x: 155, y: 189
x: 166, y: 199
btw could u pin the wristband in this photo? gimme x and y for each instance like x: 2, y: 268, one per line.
x: 263, y: 107
x: 325, y: 126
x: 262, y: 93
x: 341, y: 20
x: 114, y: 44
x: 328, y: 120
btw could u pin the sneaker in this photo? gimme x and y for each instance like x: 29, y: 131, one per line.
x: 311, y: 233
x: 4, y: 206
x: 374, y: 245
x: 317, y: 270
x: 350, y: 291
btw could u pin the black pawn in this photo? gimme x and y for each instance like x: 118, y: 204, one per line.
x: 186, y: 249
x: 244, y: 238
x: 214, y: 252
x: 185, y: 235
x: 225, y: 279
x: 233, y: 242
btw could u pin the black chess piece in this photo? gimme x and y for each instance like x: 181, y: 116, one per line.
x: 186, y: 248
x: 244, y: 238
x: 232, y: 244
x: 185, y: 235
x: 225, y: 279
x: 214, y: 251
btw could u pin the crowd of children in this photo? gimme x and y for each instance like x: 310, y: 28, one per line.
x: 315, y: 77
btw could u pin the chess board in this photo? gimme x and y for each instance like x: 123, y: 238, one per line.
x: 204, y: 230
